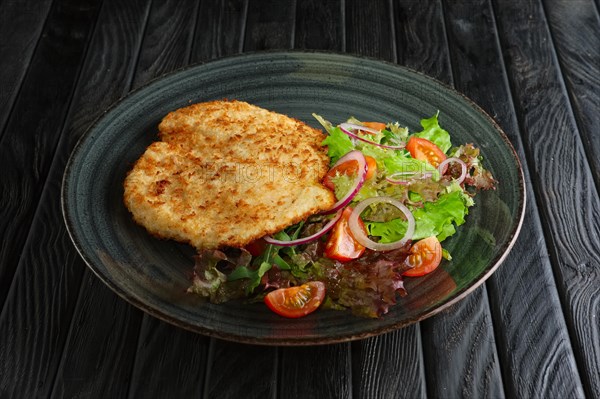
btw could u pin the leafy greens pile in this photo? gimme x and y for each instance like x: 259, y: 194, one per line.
x: 367, y: 286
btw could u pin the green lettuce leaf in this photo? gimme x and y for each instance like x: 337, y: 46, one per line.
x: 433, y: 219
x: 254, y: 276
x: 434, y: 133
x: 338, y: 144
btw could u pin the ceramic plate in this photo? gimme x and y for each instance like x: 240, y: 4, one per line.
x: 154, y: 274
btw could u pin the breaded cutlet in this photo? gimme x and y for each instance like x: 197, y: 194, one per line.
x: 227, y: 173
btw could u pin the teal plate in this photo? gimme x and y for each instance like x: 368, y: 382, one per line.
x: 154, y: 274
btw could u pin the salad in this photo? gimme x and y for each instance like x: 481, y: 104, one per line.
x: 399, y: 196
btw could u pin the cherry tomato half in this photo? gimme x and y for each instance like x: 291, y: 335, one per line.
x: 425, y: 256
x: 297, y: 301
x: 341, y: 245
x: 371, y: 167
x: 349, y: 168
x: 425, y: 150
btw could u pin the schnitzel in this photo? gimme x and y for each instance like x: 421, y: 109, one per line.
x: 226, y: 173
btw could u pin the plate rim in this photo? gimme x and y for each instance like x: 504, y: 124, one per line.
x: 290, y: 341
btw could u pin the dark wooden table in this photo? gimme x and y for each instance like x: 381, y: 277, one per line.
x: 533, y: 330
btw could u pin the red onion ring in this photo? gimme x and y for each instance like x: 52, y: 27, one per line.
x: 305, y: 240
x: 345, y: 127
x: 463, y: 168
x: 358, y: 181
x: 362, y: 238
x: 393, y: 180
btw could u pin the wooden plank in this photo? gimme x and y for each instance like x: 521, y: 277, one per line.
x: 562, y: 181
x: 575, y: 28
x: 370, y: 30
x: 103, y: 326
x: 269, y: 25
x: 460, y: 351
x: 315, y: 372
x: 35, y: 319
x: 34, y: 322
x: 21, y: 24
x: 389, y: 366
x: 220, y: 29
x: 318, y: 25
x: 170, y: 362
x: 103, y: 334
x: 168, y: 39
x: 478, y: 72
x: 421, y: 38
x: 32, y: 131
x: 241, y: 371
x: 523, y: 289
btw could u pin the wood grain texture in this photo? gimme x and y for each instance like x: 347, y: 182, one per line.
x: 575, y: 28
x: 563, y: 182
x: 170, y: 362
x: 389, y: 366
x: 87, y: 368
x: 318, y: 25
x: 306, y: 372
x: 241, y: 371
x: 21, y: 23
x: 269, y: 25
x: 220, y: 29
x: 514, y: 303
x: 463, y: 337
x: 168, y: 39
x: 34, y: 322
x: 33, y: 130
x: 421, y: 38
x: 370, y: 30
x: 50, y: 271
x: 52, y: 324
x: 535, y: 350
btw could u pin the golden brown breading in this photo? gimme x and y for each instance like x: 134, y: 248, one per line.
x: 227, y: 173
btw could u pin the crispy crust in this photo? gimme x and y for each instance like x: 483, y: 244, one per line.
x: 227, y: 173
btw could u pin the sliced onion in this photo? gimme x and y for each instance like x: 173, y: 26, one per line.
x: 348, y: 127
x: 356, y: 184
x: 363, y: 239
x: 463, y: 168
x: 305, y: 240
x: 393, y: 180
